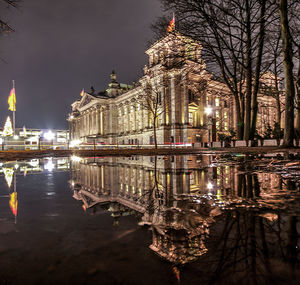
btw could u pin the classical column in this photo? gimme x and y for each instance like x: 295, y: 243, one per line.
x: 173, y: 100
x: 173, y: 107
x: 102, y: 122
x: 185, y: 114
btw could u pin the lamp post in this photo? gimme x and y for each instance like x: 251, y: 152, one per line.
x: 208, y: 111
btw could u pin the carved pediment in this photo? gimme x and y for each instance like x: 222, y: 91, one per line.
x: 85, y: 100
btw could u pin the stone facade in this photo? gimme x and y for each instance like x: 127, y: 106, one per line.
x: 172, y: 96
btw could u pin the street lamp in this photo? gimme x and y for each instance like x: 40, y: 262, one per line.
x: 208, y: 111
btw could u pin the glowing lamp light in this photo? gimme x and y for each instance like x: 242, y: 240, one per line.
x: 75, y: 158
x: 74, y: 143
x: 208, y: 110
x: 49, y: 165
x: 49, y: 135
x: 209, y: 186
x: 16, y: 137
x: 1, y: 140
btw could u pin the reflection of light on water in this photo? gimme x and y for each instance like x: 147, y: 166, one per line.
x: 34, y: 162
x: 8, y: 175
x: 49, y: 165
x: 219, y: 195
x: 50, y: 193
x: 75, y: 158
x: 209, y: 186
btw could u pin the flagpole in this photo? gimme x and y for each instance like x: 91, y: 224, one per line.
x: 14, y: 115
x: 174, y: 20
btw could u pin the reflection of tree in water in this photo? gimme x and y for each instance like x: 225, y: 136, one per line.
x: 248, y: 248
x: 253, y: 240
x: 179, y: 229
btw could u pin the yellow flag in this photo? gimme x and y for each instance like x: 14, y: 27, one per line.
x: 12, y: 100
x: 82, y: 93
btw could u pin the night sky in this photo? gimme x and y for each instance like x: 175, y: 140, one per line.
x: 62, y: 46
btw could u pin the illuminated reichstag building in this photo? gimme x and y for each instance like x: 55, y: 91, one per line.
x: 183, y: 89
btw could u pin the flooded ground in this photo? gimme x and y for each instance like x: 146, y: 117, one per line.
x: 150, y: 220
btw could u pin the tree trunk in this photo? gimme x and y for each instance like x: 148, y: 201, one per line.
x: 154, y: 132
x: 288, y: 75
x: 254, y: 104
x: 298, y: 98
x: 247, y: 117
x: 238, y: 118
x: 277, y: 96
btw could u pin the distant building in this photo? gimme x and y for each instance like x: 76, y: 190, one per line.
x: 33, y: 138
x: 184, y: 88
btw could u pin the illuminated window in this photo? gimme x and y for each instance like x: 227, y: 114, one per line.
x: 120, y: 112
x: 225, y: 115
x: 139, y: 107
x: 217, y: 114
x: 226, y: 169
x: 227, y: 180
x: 226, y: 126
x: 218, y: 125
x: 131, y: 109
x: 217, y: 102
x: 191, y: 118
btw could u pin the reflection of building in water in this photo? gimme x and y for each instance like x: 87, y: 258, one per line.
x: 152, y: 187
x: 11, y: 169
x: 177, y: 196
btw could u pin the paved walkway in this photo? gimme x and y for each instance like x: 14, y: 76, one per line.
x: 17, y: 155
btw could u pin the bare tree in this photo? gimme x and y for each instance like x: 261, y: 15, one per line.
x: 233, y: 36
x: 154, y: 103
x: 5, y: 27
x: 294, y: 12
x: 288, y: 66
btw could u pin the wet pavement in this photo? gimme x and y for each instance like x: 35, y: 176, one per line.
x: 150, y: 220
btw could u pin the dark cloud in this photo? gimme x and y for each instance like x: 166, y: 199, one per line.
x: 62, y: 46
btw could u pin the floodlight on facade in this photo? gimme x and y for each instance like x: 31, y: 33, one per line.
x: 49, y: 135
x: 208, y: 110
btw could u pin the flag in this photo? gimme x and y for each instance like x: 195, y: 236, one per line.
x: 82, y: 93
x: 12, y: 100
x: 171, y: 26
